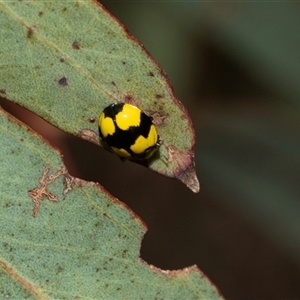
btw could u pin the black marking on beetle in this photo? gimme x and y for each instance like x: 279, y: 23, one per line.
x: 76, y: 45
x: 63, y: 81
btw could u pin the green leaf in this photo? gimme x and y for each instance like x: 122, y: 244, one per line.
x: 82, y: 243
x: 67, y: 60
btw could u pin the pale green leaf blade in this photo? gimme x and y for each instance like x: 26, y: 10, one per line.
x: 67, y: 60
x: 82, y: 244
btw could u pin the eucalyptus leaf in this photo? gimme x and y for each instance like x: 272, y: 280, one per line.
x: 64, y: 238
x: 67, y: 60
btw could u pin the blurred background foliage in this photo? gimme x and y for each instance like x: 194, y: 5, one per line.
x: 236, y: 67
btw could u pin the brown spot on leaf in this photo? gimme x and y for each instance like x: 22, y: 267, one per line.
x: 38, y: 193
x: 41, y: 13
x: 124, y: 253
x: 92, y: 120
x: 113, y: 83
x: 59, y: 269
x: 159, y: 96
x: 158, y: 118
x: 128, y: 98
x: 63, y: 81
x: 89, y: 135
x: 171, y: 152
x: 29, y: 32
x: 62, y: 60
x: 68, y: 183
x: 3, y: 91
x: 151, y: 74
x: 76, y: 45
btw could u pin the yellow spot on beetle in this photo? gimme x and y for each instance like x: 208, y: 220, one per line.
x: 120, y: 152
x: 107, y: 125
x: 129, y: 116
x: 143, y: 143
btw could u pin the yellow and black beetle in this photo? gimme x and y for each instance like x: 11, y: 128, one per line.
x: 128, y: 131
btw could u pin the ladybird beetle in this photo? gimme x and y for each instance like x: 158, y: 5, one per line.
x: 128, y: 131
